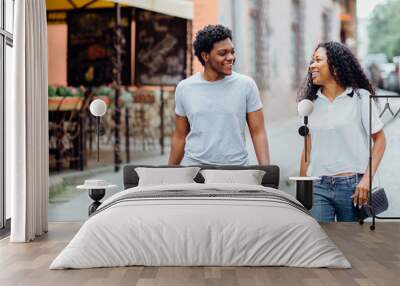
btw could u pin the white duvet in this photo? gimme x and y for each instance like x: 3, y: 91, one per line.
x: 201, y: 231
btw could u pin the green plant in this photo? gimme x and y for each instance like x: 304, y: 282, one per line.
x: 77, y: 92
x: 104, y: 91
x: 52, y: 91
x: 126, y: 97
x: 64, y: 91
x: 68, y: 91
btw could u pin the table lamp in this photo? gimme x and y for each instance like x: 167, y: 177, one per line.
x: 305, y: 108
x: 305, y: 185
x: 98, y: 108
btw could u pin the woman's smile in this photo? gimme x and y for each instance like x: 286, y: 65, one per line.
x: 314, y: 74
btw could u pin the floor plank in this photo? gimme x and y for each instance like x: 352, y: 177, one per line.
x: 374, y: 255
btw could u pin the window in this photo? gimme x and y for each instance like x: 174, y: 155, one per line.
x: 253, y: 37
x: 9, y: 13
x: 2, y: 65
x: 6, y: 43
x: 297, y: 40
x: 326, y: 26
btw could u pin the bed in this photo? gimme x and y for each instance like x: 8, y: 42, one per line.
x: 201, y: 224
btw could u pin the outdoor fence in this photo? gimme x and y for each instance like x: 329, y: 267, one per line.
x: 147, y: 124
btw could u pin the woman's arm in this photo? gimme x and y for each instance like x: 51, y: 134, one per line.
x: 255, y: 120
x: 303, y: 164
x: 182, y: 128
x: 360, y: 196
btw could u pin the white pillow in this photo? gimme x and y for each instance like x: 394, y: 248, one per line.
x: 248, y: 177
x: 165, y: 176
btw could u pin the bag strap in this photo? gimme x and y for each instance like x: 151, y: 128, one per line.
x: 377, y: 173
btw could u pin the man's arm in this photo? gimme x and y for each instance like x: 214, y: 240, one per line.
x: 178, y: 140
x: 255, y: 120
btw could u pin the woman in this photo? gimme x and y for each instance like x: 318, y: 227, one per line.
x: 339, y: 127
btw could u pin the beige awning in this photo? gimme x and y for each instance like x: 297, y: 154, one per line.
x: 177, y: 8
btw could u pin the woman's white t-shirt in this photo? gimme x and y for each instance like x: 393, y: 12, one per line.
x: 339, y: 133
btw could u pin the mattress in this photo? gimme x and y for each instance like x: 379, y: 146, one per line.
x: 201, y: 225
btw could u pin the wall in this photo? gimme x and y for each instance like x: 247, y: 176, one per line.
x: 57, y: 53
x: 205, y: 13
x: 278, y: 68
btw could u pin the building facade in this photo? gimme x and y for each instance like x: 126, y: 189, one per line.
x: 348, y: 23
x: 274, y: 42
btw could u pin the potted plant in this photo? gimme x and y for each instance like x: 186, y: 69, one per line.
x: 73, y: 98
x: 54, y: 100
x: 80, y: 93
x: 145, y: 96
x: 126, y: 97
x: 104, y: 93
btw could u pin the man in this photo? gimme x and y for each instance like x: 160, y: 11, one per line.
x: 213, y: 107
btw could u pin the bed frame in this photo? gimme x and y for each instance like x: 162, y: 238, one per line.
x: 270, y: 179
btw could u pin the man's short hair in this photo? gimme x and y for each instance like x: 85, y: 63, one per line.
x: 206, y: 37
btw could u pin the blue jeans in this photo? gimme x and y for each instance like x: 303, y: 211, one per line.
x: 332, y: 198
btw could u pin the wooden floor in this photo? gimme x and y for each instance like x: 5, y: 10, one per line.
x: 374, y: 255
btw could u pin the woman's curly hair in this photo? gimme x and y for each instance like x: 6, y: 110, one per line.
x: 206, y: 37
x: 344, y: 67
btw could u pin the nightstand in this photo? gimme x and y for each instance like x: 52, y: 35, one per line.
x: 96, y: 190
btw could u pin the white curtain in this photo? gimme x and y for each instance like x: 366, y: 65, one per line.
x: 27, y: 124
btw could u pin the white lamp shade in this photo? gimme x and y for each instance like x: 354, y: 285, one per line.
x: 305, y: 107
x: 98, y: 107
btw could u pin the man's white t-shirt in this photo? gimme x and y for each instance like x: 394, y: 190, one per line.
x: 216, y: 112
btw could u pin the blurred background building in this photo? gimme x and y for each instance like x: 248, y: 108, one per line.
x: 274, y: 40
x: 348, y: 23
x: 129, y: 53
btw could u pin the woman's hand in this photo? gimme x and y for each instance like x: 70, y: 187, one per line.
x: 360, y: 196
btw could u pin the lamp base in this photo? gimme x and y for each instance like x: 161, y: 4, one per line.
x: 304, y: 190
x: 304, y: 193
x: 96, y: 195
